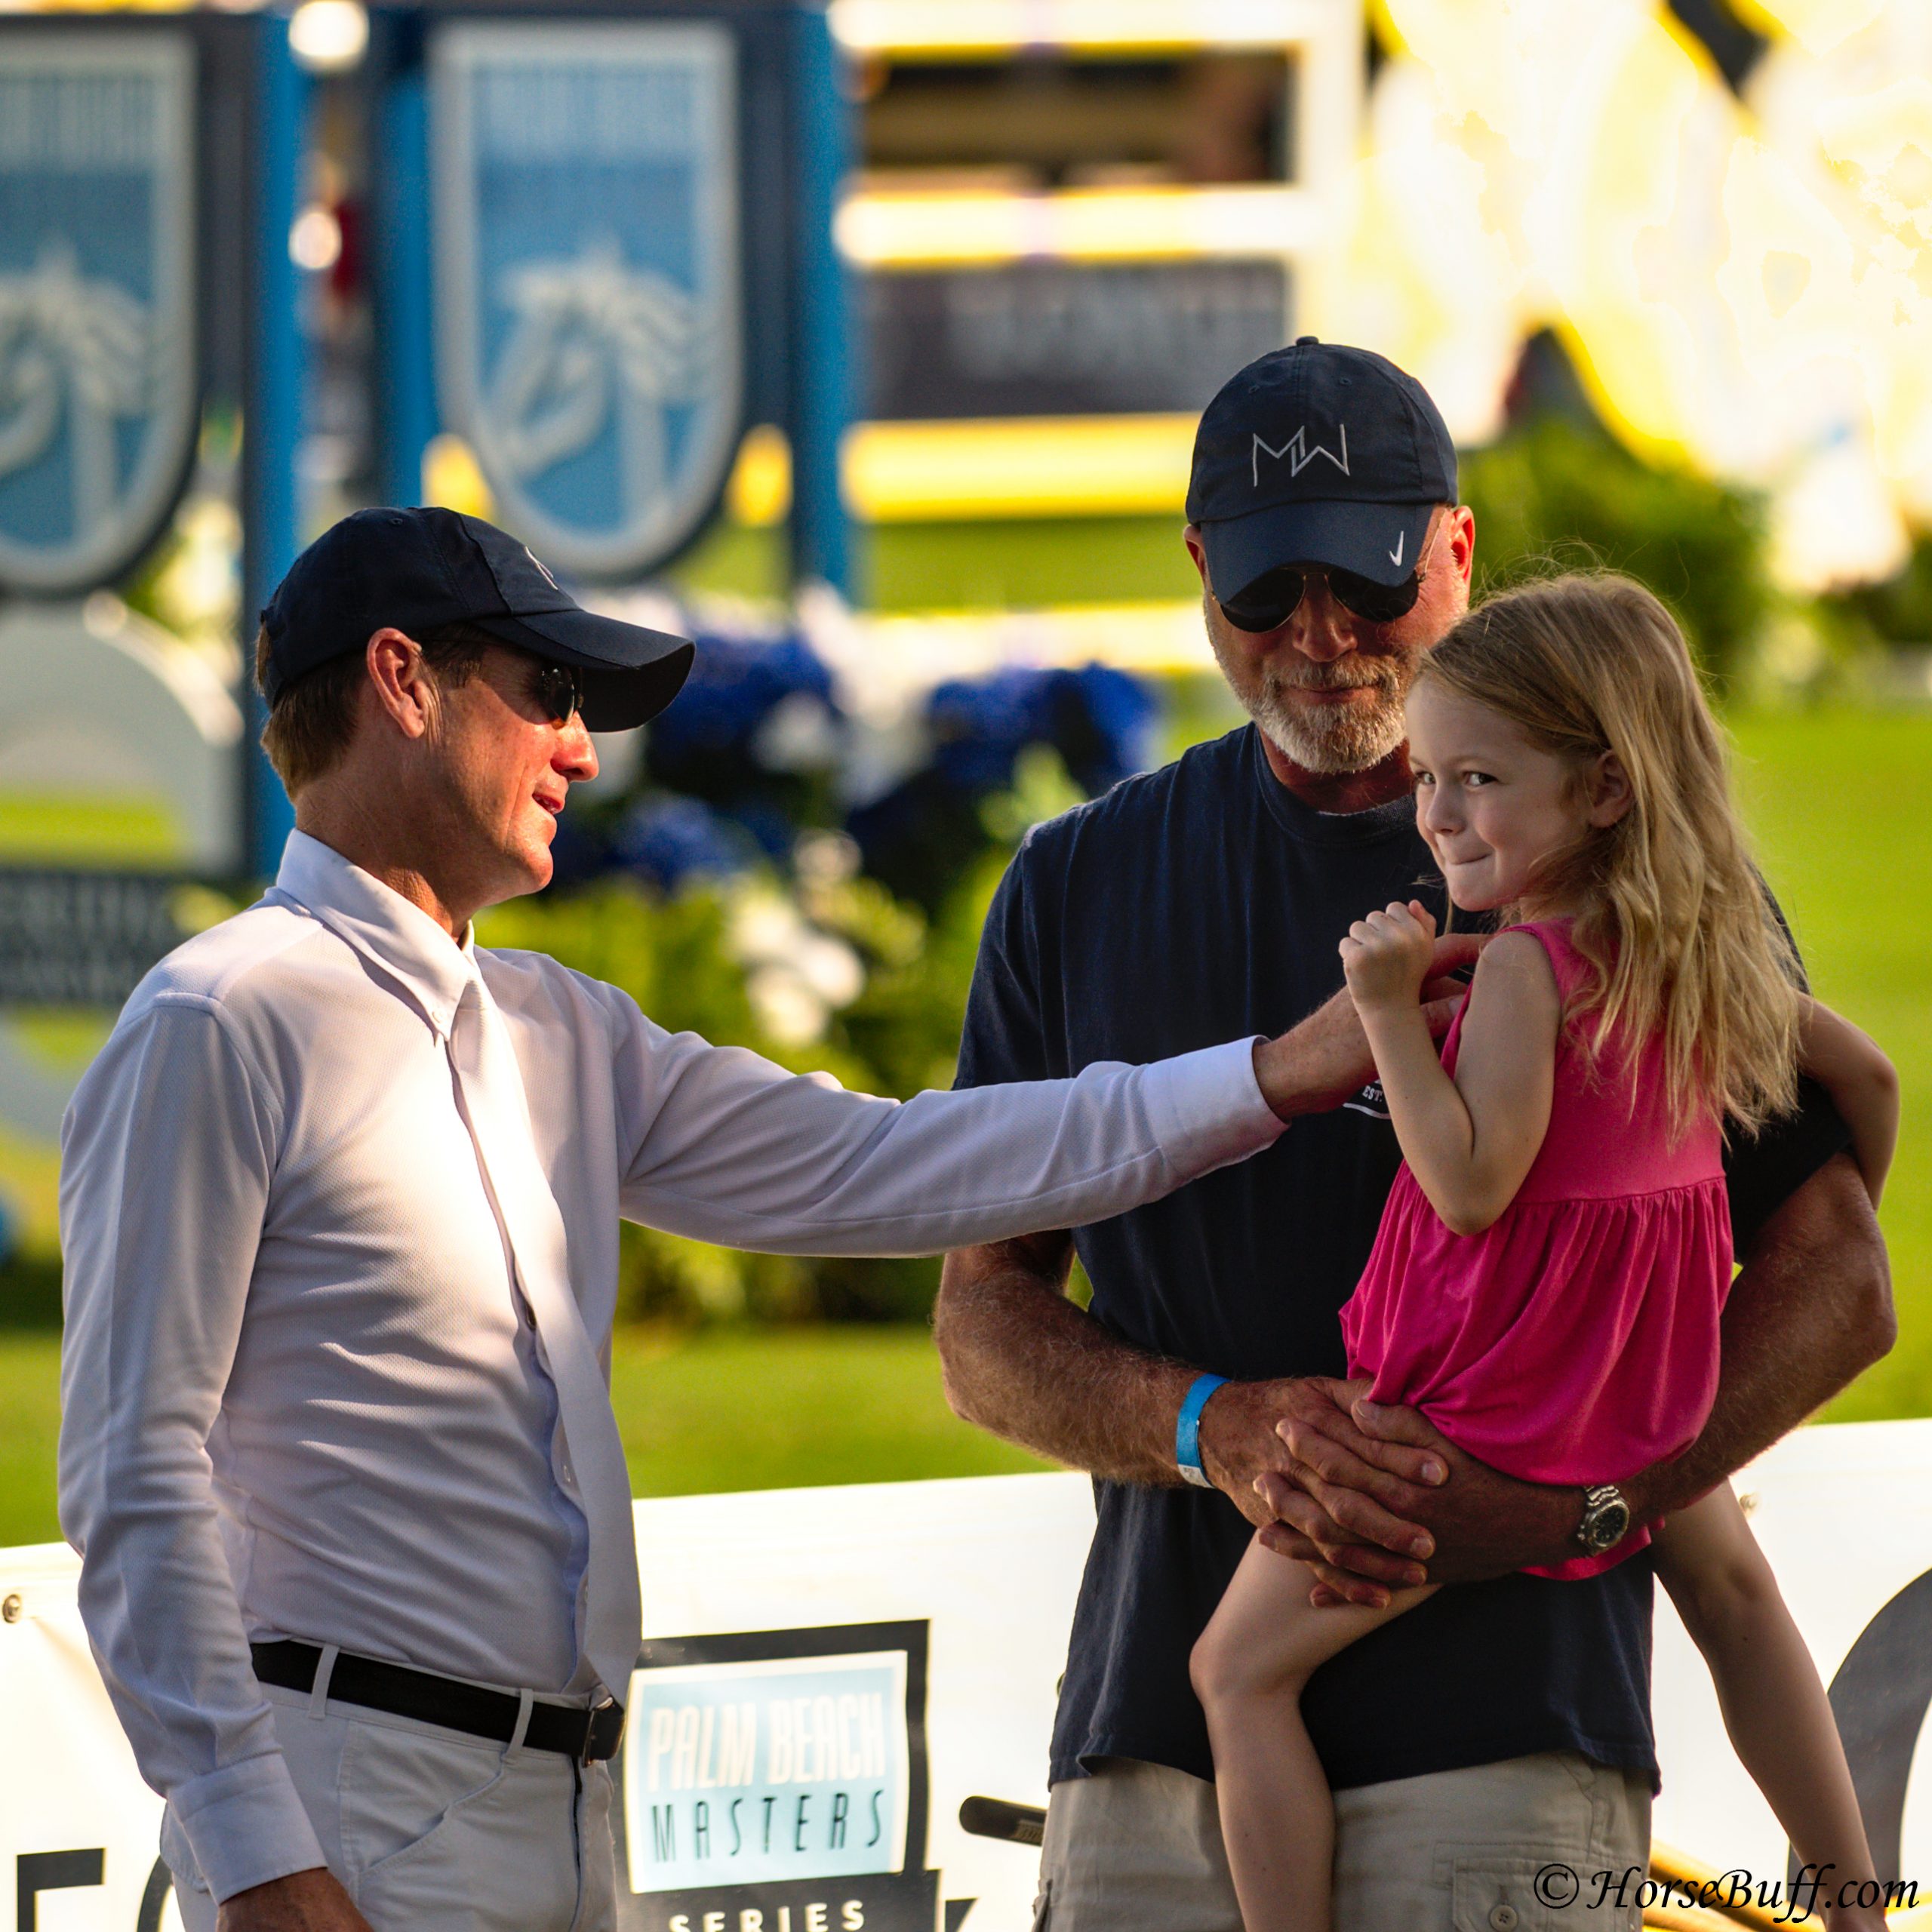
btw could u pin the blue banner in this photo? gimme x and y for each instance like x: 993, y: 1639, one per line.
x: 98, y: 384
x: 589, y: 341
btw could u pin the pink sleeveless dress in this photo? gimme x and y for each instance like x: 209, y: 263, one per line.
x: 1575, y: 1339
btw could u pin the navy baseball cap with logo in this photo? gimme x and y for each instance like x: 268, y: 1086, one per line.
x: 1318, y: 453
x: 417, y: 570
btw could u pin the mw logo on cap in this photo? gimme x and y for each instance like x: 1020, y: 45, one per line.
x: 1298, y: 454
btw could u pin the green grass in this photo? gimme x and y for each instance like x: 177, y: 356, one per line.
x: 67, y: 830
x: 1838, y: 800
x: 775, y: 1408
x: 1018, y: 565
x: 30, y: 1400
x: 770, y: 1409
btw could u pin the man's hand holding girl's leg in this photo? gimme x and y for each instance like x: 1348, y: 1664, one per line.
x: 1248, y: 1433
x: 1357, y: 1503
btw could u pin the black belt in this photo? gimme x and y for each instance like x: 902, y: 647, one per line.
x: 589, y: 1735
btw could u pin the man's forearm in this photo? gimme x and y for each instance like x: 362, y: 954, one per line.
x: 1023, y: 1362
x: 1812, y: 1308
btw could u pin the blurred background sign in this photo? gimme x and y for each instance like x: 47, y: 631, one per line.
x: 1044, y: 338
x: 97, y: 323
x: 584, y: 184
x: 118, y: 756
x: 143, y: 162
x: 1071, y: 223
x: 599, y: 243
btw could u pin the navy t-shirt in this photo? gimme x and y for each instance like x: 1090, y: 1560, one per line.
x: 1198, y: 904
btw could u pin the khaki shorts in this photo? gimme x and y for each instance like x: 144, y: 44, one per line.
x: 431, y: 1831
x: 1137, y: 1848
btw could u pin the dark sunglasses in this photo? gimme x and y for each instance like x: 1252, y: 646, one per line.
x: 1269, y: 601
x: 558, y: 688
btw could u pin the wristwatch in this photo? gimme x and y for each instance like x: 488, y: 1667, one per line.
x: 1606, y: 1519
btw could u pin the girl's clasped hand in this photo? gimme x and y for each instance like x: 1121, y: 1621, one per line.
x: 1548, y: 1280
x: 1386, y: 956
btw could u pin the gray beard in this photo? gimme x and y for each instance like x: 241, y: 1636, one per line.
x: 1329, y: 743
x: 1324, y: 743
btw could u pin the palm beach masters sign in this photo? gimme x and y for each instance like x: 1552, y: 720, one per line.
x: 585, y: 203
x: 775, y: 1781
x: 97, y: 353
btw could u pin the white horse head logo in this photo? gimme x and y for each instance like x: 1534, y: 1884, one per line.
x: 595, y: 337
x: 87, y: 344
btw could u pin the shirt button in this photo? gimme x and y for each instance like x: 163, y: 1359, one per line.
x: 1503, y: 1919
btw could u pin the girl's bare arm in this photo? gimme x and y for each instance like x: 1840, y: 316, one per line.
x: 1863, y: 1085
x: 1774, y: 1707
x: 1469, y: 1141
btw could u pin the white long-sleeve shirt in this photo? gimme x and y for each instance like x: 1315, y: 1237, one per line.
x: 300, y: 1396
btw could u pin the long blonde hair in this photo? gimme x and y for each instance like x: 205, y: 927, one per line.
x: 1673, y: 920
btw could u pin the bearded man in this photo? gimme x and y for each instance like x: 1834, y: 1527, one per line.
x: 1504, y: 1725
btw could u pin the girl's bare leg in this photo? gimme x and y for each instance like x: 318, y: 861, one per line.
x: 1249, y: 1667
x: 1774, y: 1707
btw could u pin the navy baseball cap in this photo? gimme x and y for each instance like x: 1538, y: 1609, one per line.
x: 419, y: 569
x: 1317, y: 453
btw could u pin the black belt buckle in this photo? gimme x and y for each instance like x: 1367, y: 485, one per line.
x: 604, y: 1732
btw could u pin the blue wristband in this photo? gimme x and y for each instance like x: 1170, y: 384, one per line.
x: 1187, y: 1430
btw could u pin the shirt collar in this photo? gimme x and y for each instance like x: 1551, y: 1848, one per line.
x: 1396, y: 819
x: 409, y: 946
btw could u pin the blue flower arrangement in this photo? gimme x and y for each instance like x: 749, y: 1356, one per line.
x: 749, y: 756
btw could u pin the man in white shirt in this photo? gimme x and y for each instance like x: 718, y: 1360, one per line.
x: 340, y: 1203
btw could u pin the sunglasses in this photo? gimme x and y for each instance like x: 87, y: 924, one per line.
x: 558, y: 688
x: 1269, y: 601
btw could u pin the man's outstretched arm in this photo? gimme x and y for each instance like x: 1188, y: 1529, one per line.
x: 724, y: 1146
x: 1811, y: 1308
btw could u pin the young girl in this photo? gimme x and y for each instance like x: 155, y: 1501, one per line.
x: 1547, y: 1281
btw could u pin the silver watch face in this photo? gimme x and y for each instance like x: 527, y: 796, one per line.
x: 1606, y: 1525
